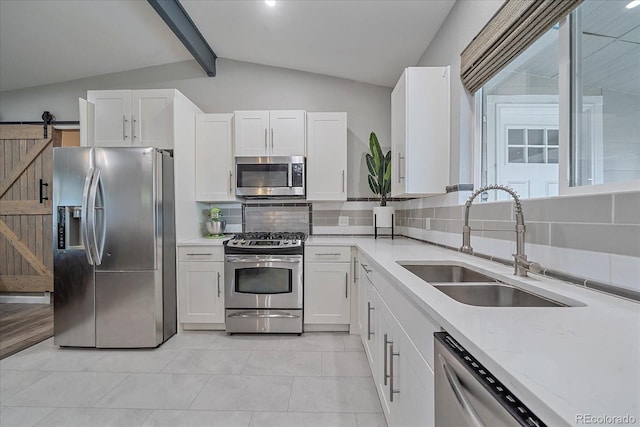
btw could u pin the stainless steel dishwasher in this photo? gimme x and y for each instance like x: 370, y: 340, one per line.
x: 469, y: 395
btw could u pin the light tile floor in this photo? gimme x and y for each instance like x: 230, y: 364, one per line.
x: 194, y: 379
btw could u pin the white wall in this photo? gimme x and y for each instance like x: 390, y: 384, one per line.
x: 237, y: 86
x: 463, y: 23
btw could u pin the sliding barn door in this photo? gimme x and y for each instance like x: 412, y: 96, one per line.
x: 26, y: 259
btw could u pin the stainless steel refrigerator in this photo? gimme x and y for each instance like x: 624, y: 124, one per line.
x: 114, y: 247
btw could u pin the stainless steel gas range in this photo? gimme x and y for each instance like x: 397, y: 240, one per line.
x: 264, y: 283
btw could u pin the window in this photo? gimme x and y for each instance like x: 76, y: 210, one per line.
x: 605, y: 143
x: 521, y: 122
x: 529, y: 146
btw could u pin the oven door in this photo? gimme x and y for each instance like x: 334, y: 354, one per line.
x: 263, y: 281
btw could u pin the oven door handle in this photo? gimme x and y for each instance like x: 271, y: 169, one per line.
x: 240, y: 260
x: 257, y: 315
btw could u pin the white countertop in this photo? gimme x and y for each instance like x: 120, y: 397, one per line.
x: 560, y: 361
x: 205, y: 241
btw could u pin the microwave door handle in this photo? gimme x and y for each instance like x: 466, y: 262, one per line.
x: 290, y: 175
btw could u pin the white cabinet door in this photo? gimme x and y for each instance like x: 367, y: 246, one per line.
x: 420, y: 132
x: 152, y: 118
x: 251, y: 131
x: 416, y: 386
x: 327, y: 156
x: 372, y: 305
x: 398, y: 138
x: 388, y: 332
x: 112, y: 117
x: 287, y: 133
x: 87, y: 114
x: 201, y: 292
x: 269, y: 133
x: 326, y: 293
x: 214, y: 158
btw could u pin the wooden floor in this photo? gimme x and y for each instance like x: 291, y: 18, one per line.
x: 23, y: 325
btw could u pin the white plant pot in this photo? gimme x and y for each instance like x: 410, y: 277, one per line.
x: 383, y: 216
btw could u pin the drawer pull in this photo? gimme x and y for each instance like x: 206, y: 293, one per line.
x: 329, y: 254
x: 207, y: 254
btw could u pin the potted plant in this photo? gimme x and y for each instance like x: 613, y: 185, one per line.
x: 379, y: 166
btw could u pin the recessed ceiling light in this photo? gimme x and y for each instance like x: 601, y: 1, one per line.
x: 270, y: 3
x: 631, y: 5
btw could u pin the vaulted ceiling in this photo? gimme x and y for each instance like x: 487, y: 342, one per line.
x: 51, y: 41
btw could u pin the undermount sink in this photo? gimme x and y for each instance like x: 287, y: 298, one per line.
x: 495, y: 295
x: 439, y: 273
x: 471, y: 287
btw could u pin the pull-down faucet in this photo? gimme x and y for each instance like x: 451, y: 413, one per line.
x: 521, y: 265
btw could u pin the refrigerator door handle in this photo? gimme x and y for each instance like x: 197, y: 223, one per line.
x: 84, y: 216
x: 91, y: 207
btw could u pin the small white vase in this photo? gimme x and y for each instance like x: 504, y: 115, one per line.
x: 383, y: 216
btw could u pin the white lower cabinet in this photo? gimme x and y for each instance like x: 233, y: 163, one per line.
x: 200, y: 286
x: 326, y: 293
x: 403, y: 378
x: 327, y: 286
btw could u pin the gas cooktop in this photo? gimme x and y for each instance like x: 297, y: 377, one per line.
x: 265, y: 242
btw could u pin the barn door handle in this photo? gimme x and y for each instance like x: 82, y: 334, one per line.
x: 42, y: 185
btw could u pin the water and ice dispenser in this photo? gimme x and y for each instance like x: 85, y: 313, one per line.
x: 70, y: 227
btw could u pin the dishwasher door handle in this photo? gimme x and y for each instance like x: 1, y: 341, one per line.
x: 469, y: 412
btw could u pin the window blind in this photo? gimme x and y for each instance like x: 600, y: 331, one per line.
x: 514, y: 27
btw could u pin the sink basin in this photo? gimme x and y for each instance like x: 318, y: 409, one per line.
x: 440, y: 273
x: 495, y: 295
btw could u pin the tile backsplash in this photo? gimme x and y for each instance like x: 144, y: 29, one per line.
x: 595, y: 237
x: 292, y: 217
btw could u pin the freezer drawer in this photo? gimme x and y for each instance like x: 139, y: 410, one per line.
x: 129, y: 309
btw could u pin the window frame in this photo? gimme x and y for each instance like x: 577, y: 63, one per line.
x: 566, y: 68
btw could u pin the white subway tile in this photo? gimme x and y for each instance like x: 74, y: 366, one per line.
x: 625, y: 272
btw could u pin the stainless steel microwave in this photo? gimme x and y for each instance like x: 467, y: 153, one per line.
x: 278, y: 176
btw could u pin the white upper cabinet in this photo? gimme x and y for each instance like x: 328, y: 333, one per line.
x: 327, y: 156
x: 152, y: 118
x: 130, y: 118
x: 269, y: 133
x: 214, y: 158
x: 420, y: 132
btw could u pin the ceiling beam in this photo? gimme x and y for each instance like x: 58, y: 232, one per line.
x: 174, y: 15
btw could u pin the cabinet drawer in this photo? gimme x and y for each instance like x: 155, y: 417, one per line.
x: 201, y: 253
x: 327, y: 253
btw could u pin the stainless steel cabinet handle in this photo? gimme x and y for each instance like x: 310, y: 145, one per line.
x: 230, y: 182
x: 343, y: 181
x: 207, y: 254
x: 369, y: 308
x: 265, y: 140
x: 328, y: 254
x: 355, y: 268
x: 346, y: 285
x: 364, y: 267
x: 386, y: 371
x: 400, y: 158
x: 272, y: 139
x: 124, y: 127
x: 133, y: 128
x: 469, y: 412
x: 391, y: 356
x: 218, y: 285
